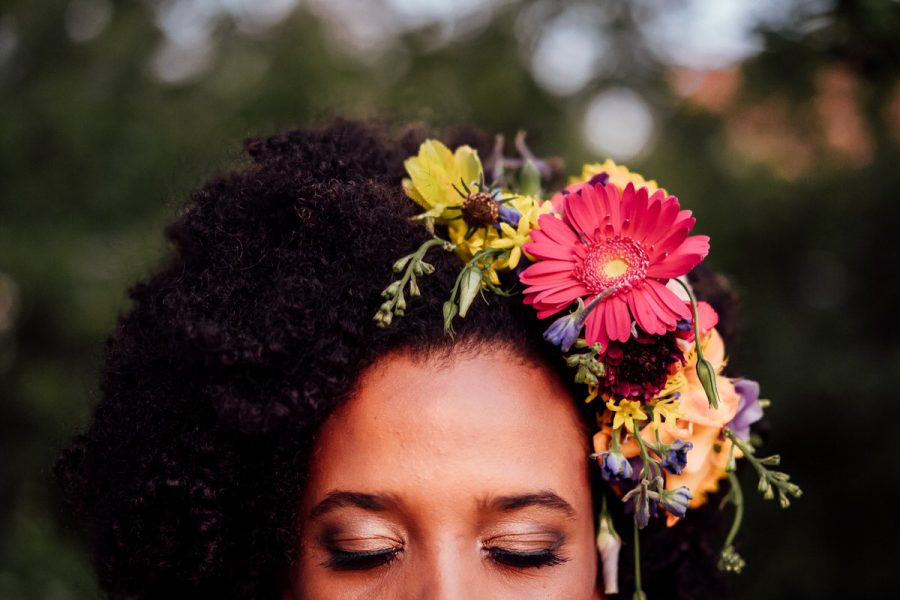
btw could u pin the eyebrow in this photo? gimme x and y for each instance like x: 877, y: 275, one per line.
x: 542, y: 499
x: 381, y: 502
x: 341, y: 498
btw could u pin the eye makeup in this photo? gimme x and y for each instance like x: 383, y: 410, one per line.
x: 360, y: 549
x: 340, y: 560
x: 530, y: 550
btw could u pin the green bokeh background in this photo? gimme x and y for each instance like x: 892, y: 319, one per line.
x: 790, y: 158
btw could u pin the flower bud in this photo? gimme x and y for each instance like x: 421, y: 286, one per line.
x: 468, y: 289
x: 707, y: 376
x: 676, y: 501
x: 730, y: 561
x: 608, y: 544
x: 564, y: 331
x: 615, y: 466
x: 450, y: 312
x: 676, y: 457
x: 390, y: 290
x: 530, y: 179
x: 401, y: 263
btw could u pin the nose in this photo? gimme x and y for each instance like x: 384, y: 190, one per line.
x: 447, y: 570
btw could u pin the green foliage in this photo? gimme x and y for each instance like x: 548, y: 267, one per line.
x: 96, y: 154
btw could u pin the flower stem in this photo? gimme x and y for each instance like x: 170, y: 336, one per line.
x: 738, y: 500
x: 647, y: 469
x: 592, y: 305
x: 693, y: 300
x: 638, y: 591
x: 705, y: 372
x: 767, y: 479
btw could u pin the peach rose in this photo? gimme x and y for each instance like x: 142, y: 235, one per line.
x: 698, y: 423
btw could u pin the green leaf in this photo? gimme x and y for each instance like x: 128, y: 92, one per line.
x: 469, y: 287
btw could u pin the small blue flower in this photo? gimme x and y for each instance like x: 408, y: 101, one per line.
x: 564, y: 331
x: 615, y: 466
x: 676, y: 501
x: 639, y: 498
x: 676, y: 458
x: 684, y: 325
x: 509, y: 214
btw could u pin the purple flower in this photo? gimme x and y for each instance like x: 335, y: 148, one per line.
x: 638, y: 499
x: 602, y: 178
x: 564, y: 331
x: 676, y: 458
x: 615, y: 466
x: 676, y: 501
x: 509, y: 215
x: 749, y: 410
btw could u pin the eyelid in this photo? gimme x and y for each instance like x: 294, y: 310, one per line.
x: 526, y: 541
x: 363, y: 544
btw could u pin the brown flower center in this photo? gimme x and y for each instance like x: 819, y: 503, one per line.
x: 480, y: 210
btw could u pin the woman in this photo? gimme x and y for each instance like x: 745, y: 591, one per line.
x: 259, y: 436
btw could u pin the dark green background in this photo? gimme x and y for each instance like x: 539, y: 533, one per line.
x: 789, y: 160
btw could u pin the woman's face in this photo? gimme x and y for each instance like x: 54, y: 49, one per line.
x: 465, y: 479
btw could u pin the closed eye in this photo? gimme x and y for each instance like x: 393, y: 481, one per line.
x: 340, y: 560
x: 532, y: 559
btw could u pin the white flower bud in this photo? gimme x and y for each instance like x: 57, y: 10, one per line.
x: 609, y: 543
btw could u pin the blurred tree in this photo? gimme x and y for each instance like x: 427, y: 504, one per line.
x: 778, y: 123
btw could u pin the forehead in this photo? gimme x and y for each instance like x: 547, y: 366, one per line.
x: 479, y: 423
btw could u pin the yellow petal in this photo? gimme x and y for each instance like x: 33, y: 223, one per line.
x: 514, y: 256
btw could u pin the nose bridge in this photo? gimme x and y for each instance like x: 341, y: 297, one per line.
x: 448, y: 569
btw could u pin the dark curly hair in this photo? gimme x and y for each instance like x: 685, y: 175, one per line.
x: 237, y: 350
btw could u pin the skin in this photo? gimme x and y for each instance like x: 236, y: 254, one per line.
x: 448, y: 467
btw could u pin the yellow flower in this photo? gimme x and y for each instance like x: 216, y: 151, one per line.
x: 593, y: 390
x: 674, y: 383
x: 438, y: 178
x: 514, y: 239
x: 668, y: 409
x: 626, y: 413
x: 619, y: 176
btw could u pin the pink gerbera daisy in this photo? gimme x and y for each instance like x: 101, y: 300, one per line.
x: 626, y: 245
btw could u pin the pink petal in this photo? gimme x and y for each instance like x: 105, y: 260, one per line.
x: 550, y: 283
x: 668, y: 212
x: 545, y: 267
x: 696, y: 244
x: 561, y: 294
x: 690, y: 254
x: 668, y: 300
x: 594, y: 328
x: 549, y: 250
x: 674, y: 266
x: 643, y: 314
x: 556, y: 230
x: 663, y: 315
x: 669, y: 243
x: 582, y: 211
x: 545, y: 312
x: 616, y: 202
x: 645, y: 226
x: 618, y: 321
x: 635, y: 211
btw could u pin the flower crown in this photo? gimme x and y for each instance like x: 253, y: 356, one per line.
x: 613, y: 249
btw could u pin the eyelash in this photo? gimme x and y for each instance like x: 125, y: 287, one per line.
x: 525, y: 560
x: 364, y: 561
x: 360, y: 561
